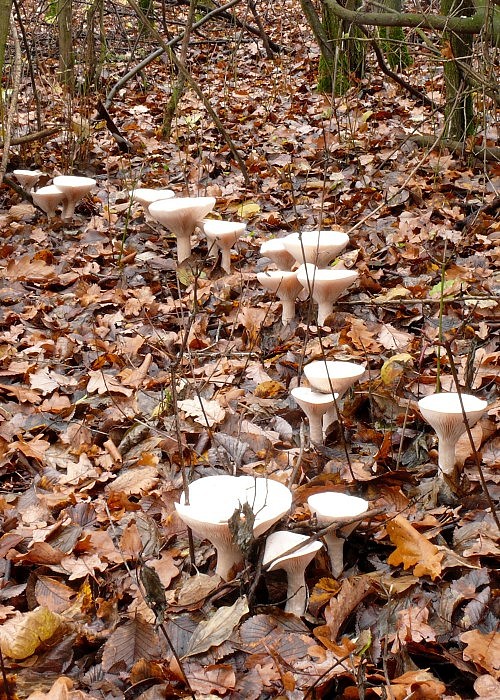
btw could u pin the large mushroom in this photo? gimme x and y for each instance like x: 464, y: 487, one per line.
x: 182, y: 215
x: 214, y: 499
x: 146, y: 196
x: 315, y: 405
x: 325, y: 286
x: 443, y: 411
x: 27, y: 178
x: 74, y: 188
x: 277, y: 556
x: 223, y: 234
x: 285, y: 285
x: 49, y: 198
x: 275, y: 250
x: 331, y: 507
x: 317, y: 247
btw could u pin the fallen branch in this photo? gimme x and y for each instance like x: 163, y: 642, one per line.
x: 489, y: 153
x: 35, y: 136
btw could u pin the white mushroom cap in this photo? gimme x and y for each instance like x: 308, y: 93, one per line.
x: 275, y: 250
x: 27, y: 178
x: 212, y: 502
x: 49, y: 198
x: 181, y: 215
x: 330, y: 506
x: 332, y: 375
x: 224, y: 234
x: 285, y: 285
x: 444, y: 413
x: 275, y: 556
x: 317, y: 247
x: 74, y: 188
x: 325, y: 286
x: 146, y: 195
x: 314, y: 404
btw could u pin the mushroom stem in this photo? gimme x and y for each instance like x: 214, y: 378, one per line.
x: 297, y: 593
x: 335, y: 546
x: 229, y: 555
x: 225, y: 258
x: 183, y: 246
x: 325, y: 308
x: 446, y: 455
x: 287, y: 310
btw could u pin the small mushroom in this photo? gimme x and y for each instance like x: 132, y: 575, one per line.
x: 223, y: 234
x: 275, y: 250
x: 214, y: 499
x: 325, y: 286
x: 27, y: 178
x: 74, y: 189
x: 316, y: 247
x: 182, y: 215
x: 331, y: 507
x: 49, y: 198
x: 332, y: 375
x: 275, y: 557
x: 444, y: 413
x: 285, y: 285
x: 146, y: 196
x: 314, y: 404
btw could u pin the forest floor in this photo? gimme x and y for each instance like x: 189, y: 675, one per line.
x: 119, y: 369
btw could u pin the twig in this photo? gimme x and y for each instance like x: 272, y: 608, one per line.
x: 35, y: 136
x: 460, y: 147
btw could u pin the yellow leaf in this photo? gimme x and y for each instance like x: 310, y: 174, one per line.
x: 394, y: 367
x: 269, y: 390
x: 21, y: 636
x: 247, y: 209
x: 413, y: 549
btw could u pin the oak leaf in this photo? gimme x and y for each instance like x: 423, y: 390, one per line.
x: 205, y: 412
x: 483, y: 650
x: 413, y: 549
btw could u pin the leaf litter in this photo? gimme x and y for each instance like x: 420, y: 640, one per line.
x: 94, y: 435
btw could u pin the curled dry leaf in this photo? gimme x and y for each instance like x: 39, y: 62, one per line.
x: 483, y: 650
x: 218, y: 628
x: 21, y: 636
x: 413, y: 549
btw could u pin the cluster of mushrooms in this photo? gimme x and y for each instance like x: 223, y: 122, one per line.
x: 211, y: 503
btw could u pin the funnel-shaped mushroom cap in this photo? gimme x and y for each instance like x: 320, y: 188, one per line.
x: 285, y: 285
x: 314, y: 404
x: 74, y: 188
x: 329, y: 507
x: 146, y: 195
x: 317, y: 247
x: 325, y: 286
x: 27, y: 178
x: 49, y: 198
x: 276, y: 251
x: 444, y: 413
x: 181, y: 215
x: 276, y: 557
x: 224, y: 234
x: 332, y: 375
x: 212, y: 502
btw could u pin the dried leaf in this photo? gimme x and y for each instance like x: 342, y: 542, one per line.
x: 413, y: 549
x: 483, y: 650
x: 205, y: 412
x: 218, y: 628
x: 134, y: 640
x: 21, y: 636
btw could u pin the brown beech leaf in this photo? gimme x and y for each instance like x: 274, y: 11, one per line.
x: 53, y: 594
x: 487, y: 688
x: 218, y: 628
x: 413, y: 549
x: 411, y: 626
x: 417, y: 685
x: 351, y: 593
x: 135, y: 481
x: 134, y: 640
x: 60, y: 690
x: 216, y: 677
x: 25, y: 268
x: 21, y: 636
x: 483, y: 650
x: 106, y: 384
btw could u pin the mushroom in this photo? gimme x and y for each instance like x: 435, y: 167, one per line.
x: 325, y: 286
x: 213, y: 501
x: 332, y: 375
x: 276, y: 251
x: 275, y: 557
x: 146, y: 196
x: 443, y: 412
x: 224, y: 235
x: 317, y: 247
x: 27, y: 178
x: 48, y: 198
x: 181, y: 215
x: 285, y: 285
x: 74, y: 189
x: 314, y: 404
x: 331, y: 507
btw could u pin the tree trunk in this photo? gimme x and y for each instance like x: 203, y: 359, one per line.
x: 393, y: 41
x: 336, y: 74
x: 5, y: 10
x: 66, y: 56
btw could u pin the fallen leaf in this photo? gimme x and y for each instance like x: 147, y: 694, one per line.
x: 218, y: 628
x: 134, y: 640
x: 205, y: 412
x: 21, y: 636
x: 413, y: 549
x: 483, y: 650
